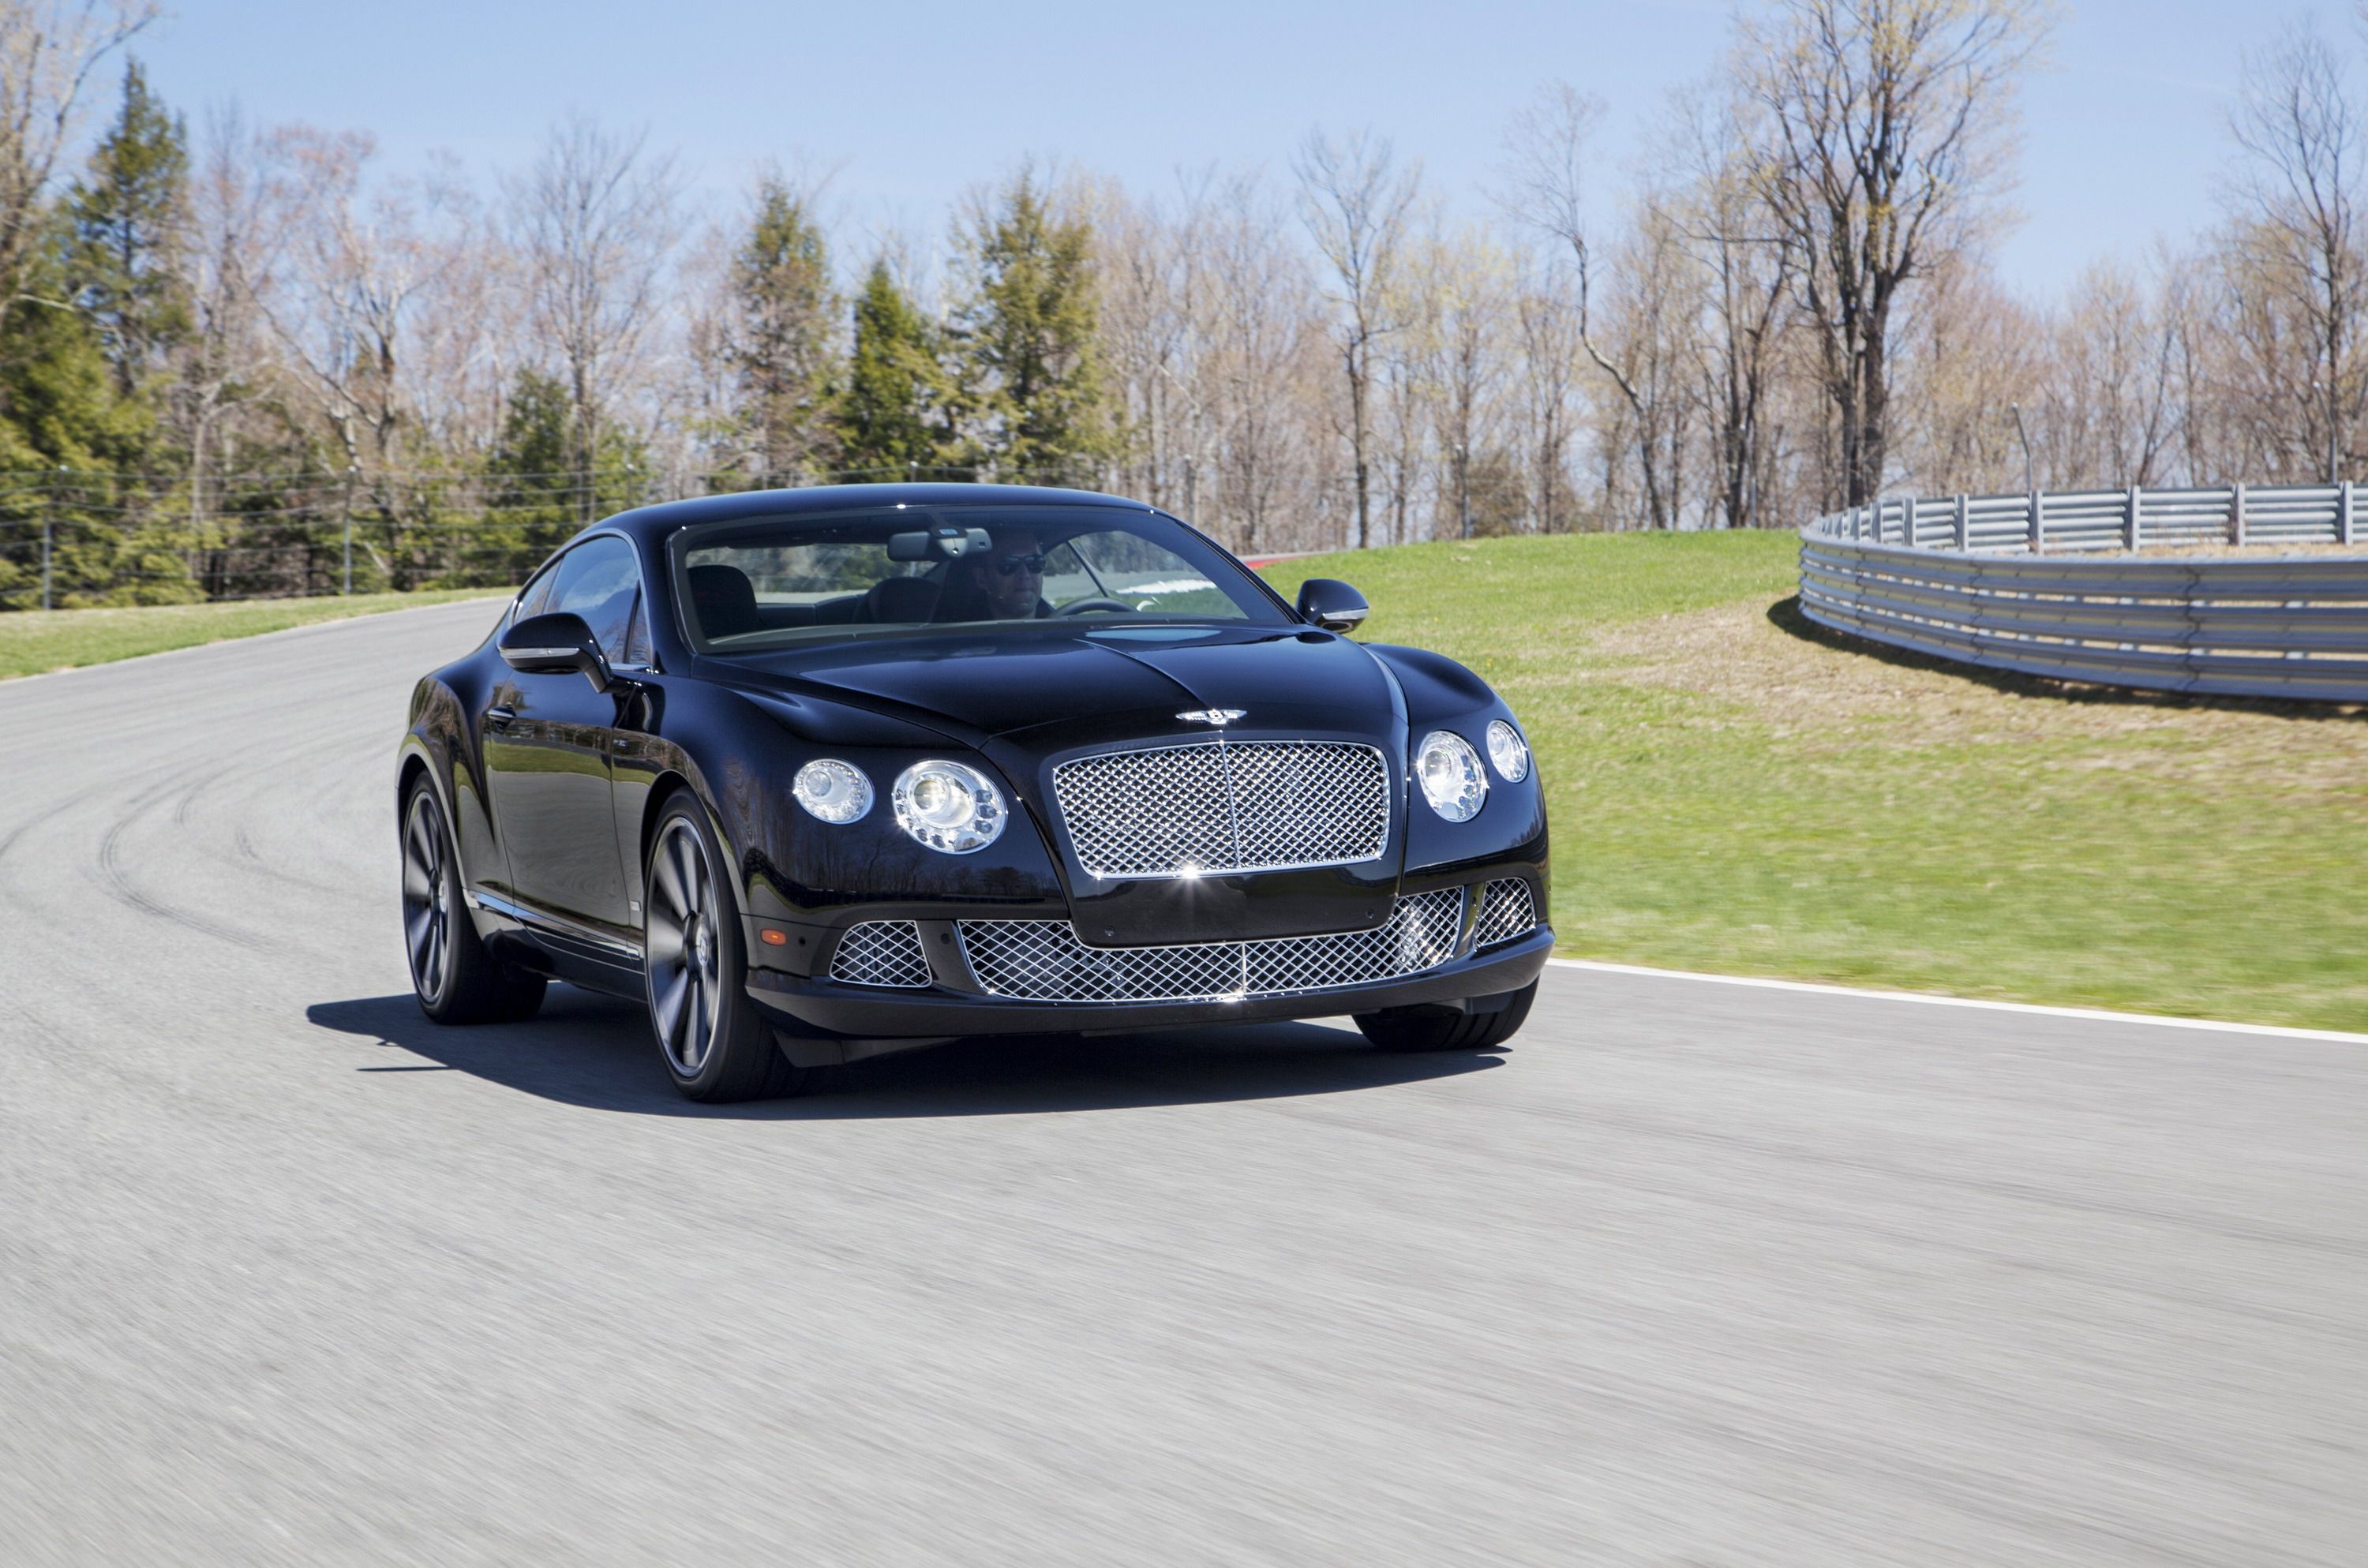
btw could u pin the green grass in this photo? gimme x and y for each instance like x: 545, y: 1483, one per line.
x: 33, y: 641
x: 1733, y: 790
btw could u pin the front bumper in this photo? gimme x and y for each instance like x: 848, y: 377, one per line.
x: 866, y: 1020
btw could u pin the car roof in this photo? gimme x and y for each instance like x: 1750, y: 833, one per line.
x: 647, y: 523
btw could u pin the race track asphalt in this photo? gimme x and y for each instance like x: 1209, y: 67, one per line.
x: 1692, y: 1274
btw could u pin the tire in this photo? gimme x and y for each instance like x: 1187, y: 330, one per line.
x: 1448, y: 1028
x: 455, y: 979
x: 714, y: 1046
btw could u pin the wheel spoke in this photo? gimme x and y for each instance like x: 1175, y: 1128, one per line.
x: 663, y: 936
x: 435, y: 954
x: 694, y: 884
x: 695, y: 1048
x: 669, y: 883
x: 673, y: 990
x: 417, y: 923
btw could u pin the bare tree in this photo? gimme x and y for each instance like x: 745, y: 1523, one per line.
x: 47, y: 51
x: 1549, y: 337
x: 345, y: 272
x: 1265, y: 374
x: 226, y: 360
x: 1354, y: 200
x: 593, y: 222
x: 1890, y: 120
x: 1473, y: 282
x: 1545, y: 190
x: 1719, y: 218
x: 2296, y: 223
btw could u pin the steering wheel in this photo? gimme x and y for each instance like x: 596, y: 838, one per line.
x: 1079, y: 607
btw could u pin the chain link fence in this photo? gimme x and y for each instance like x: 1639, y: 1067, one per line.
x: 73, y: 538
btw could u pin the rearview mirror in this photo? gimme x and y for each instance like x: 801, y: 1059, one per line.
x: 1332, y: 603
x: 555, y: 644
x: 941, y: 543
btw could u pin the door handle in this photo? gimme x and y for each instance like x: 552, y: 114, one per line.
x: 499, y: 718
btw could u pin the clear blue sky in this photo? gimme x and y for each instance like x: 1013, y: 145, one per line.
x: 916, y: 102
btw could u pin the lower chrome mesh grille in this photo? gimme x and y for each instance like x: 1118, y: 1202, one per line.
x: 1042, y: 960
x: 882, y: 952
x: 1506, y: 910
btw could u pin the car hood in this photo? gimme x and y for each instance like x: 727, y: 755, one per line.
x: 1028, y: 698
x: 1053, y: 689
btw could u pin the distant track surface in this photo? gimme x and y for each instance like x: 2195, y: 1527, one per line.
x: 1694, y: 1273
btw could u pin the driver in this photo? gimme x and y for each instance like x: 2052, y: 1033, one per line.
x: 1004, y: 582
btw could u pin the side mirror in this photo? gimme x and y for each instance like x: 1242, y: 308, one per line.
x: 1332, y: 603
x: 557, y: 645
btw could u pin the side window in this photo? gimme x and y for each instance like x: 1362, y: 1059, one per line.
x: 637, y: 640
x: 536, y: 597
x: 598, y: 580
x: 1065, y: 577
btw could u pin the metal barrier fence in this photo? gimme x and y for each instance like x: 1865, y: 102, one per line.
x: 2022, y: 583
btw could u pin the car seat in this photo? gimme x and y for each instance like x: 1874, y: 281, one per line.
x: 725, y: 599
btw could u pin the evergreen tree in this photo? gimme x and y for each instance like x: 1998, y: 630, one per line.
x: 784, y: 351
x: 128, y: 213
x: 884, y: 424
x: 1028, y: 334
x: 64, y: 439
x: 534, y: 499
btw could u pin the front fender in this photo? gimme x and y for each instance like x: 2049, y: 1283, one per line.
x: 1442, y: 695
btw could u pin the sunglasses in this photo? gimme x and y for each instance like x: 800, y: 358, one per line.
x: 1010, y: 563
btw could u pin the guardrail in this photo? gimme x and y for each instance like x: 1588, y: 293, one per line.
x: 2023, y: 583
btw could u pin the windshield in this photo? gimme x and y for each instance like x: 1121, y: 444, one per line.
x: 776, y: 583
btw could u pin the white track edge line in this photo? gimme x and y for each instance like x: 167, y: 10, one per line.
x: 2101, y: 1014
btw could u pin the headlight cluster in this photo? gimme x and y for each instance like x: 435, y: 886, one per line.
x: 946, y: 806
x: 834, y: 791
x: 1450, y: 773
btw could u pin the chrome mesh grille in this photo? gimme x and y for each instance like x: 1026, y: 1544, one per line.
x: 1506, y: 910
x: 1221, y: 806
x: 882, y: 952
x: 1042, y: 960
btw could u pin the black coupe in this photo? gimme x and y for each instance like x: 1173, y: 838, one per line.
x: 826, y: 773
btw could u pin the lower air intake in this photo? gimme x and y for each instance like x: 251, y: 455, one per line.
x: 882, y: 952
x: 1042, y: 960
x: 1506, y: 912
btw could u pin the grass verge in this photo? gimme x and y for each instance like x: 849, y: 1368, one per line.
x: 36, y: 641
x: 1733, y: 789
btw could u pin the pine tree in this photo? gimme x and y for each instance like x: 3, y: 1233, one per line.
x: 128, y: 213
x: 886, y: 429
x: 64, y: 439
x: 1028, y: 334
x: 783, y: 347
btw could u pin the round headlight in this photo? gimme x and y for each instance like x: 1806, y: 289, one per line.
x: 834, y: 791
x: 948, y: 807
x: 1450, y: 773
x: 1508, y: 751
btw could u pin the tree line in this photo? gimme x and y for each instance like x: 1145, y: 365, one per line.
x: 251, y: 360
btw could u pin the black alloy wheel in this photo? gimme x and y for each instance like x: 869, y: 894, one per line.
x: 456, y: 980
x: 1448, y: 1028
x: 715, y: 1045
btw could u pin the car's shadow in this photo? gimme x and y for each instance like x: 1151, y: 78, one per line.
x: 587, y: 1050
